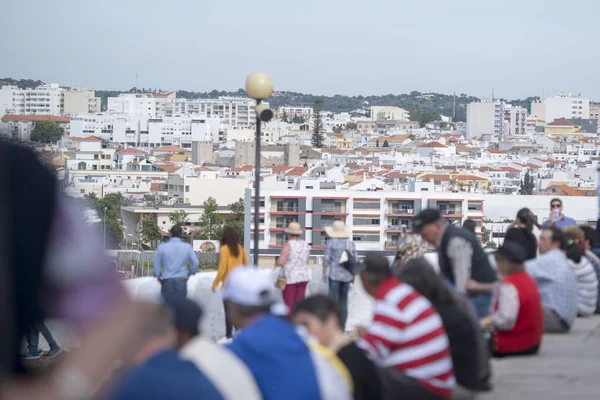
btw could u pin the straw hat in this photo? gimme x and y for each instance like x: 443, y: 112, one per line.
x: 294, y: 228
x: 338, y: 230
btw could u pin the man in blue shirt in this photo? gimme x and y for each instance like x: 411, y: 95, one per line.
x: 557, y: 218
x: 171, y: 264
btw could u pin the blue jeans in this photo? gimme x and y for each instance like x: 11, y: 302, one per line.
x: 482, y: 303
x: 174, y: 287
x: 33, y: 339
x: 339, y: 291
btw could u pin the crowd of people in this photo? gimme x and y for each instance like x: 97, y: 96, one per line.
x: 431, y: 336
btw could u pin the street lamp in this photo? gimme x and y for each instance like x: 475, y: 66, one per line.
x: 259, y: 86
x: 104, y: 228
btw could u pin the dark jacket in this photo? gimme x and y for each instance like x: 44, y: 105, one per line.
x: 525, y: 238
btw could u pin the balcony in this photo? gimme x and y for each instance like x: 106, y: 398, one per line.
x: 399, y: 228
x: 287, y: 208
x: 410, y: 211
x: 332, y: 209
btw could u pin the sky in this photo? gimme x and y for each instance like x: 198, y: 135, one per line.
x: 517, y: 48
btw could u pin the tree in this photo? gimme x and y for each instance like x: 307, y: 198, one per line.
x: 149, y: 230
x: 47, y: 132
x: 284, y: 117
x: 412, y: 136
x: 337, y: 129
x: 485, y: 235
x: 377, y: 143
x: 211, y: 222
x: 429, y: 116
x: 527, y: 185
x: 108, y: 209
x: 317, y: 136
x: 237, y: 217
x: 298, y: 119
x: 180, y: 218
x: 385, y: 143
x: 305, y: 164
x: 351, y: 126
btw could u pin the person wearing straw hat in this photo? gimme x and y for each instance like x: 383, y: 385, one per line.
x: 294, y: 260
x: 338, y: 277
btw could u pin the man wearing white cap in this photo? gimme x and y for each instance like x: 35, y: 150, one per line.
x: 280, y: 360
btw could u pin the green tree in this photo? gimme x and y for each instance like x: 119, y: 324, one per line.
x: 298, y: 119
x: 47, y: 132
x: 108, y: 209
x: 237, y: 216
x: 485, y: 235
x: 429, y: 116
x: 149, y: 231
x: 412, y: 136
x: 351, y: 126
x: 180, y: 218
x: 317, y: 136
x: 527, y: 185
x: 385, y: 143
x: 284, y: 117
x: 377, y: 143
x: 337, y: 129
x: 211, y: 223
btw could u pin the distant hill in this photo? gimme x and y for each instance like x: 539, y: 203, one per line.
x: 20, y: 83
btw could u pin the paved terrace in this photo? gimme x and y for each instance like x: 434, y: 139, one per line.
x: 568, y: 366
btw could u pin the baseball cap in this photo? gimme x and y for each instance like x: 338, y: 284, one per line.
x: 247, y: 286
x: 511, y: 251
x: 187, y: 313
x: 425, y: 217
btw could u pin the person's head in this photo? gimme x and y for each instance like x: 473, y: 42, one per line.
x: 338, y: 230
x: 419, y: 274
x: 526, y: 219
x: 176, y: 231
x: 374, y: 269
x: 157, y: 333
x: 321, y: 317
x: 510, y: 258
x: 231, y: 238
x: 409, y: 247
x: 556, y: 204
x: 551, y: 239
x: 430, y: 225
x: 575, y: 243
x: 248, y: 295
x: 590, y: 236
x: 187, y: 319
x: 294, y: 230
x: 469, y: 225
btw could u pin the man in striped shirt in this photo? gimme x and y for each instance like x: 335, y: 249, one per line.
x: 406, y: 338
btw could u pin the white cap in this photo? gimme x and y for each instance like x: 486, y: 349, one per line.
x: 248, y: 286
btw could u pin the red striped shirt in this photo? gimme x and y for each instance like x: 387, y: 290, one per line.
x: 408, y: 333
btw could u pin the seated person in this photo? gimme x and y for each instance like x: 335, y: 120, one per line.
x: 590, y: 243
x: 517, y: 318
x: 320, y: 316
x: 555, y: 280
x: 587, y: 281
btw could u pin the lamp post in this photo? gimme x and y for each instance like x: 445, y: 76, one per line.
x: 259, y: 86
x: 104, y: 220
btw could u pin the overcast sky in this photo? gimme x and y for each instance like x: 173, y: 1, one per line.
x: 516, y: 47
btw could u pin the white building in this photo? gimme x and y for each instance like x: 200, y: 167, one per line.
x: 485, y: 118
x: 562, y: 106
x: 195, y: 190
x: 92, y: 154
x: 379, y: 113
x: 305, y: 112
x: 515, y: 119
x: 20, y: 126
x: 81, y: 100
x: 235, y: 111
x: 147, y: 105
x: 43, y: 100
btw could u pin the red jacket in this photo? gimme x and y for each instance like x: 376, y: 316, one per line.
x: 529, y: 326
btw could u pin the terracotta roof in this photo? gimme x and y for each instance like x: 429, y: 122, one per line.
x: 167, y: 167
x: 510, y: 169
x: 390, y: 139
x: 130, y: 150
x: 488, y: 169
x: 399, y: 175
x: 435, y: 177
x: 174, y: 149
x: 469, y: 177
x: 86, y: 139
x: 387, y: 166
x: 297, y: 171
x: 160, y: 95
x: 201, y: 168
x: 496, y: 151
x: 34, y: 118
x: 243, y: 168
x: 571, y: 191
x: 156, y: 186
x: 562, y: 122
x: 352, y: 165
x: 432, y: 144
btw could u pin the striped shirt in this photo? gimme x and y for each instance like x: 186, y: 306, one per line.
x: 408, y: 334
x: 587, y: 286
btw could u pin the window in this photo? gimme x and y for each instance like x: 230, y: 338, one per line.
x: 187, y: 188
x: 82, y: 191
x: 365, y: 238
x: 370, y: 205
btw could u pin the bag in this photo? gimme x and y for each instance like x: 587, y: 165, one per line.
x: 281, y: 281
x: 348, y: 258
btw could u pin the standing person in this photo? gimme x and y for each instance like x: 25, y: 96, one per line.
x: 320, y: 315
x: 557, y: 218
x: 517, y: 318
x: 33, y: 342
x: 587, y: 281
x: 232, y: 255
x: 469, y: 225
x: 339, y: 278
x: 461, y: 258
x: 555, y: 280
x: 407, y: 335
x: 171, y: 264
x: 521, y: 231
x: 294, y: 260
x: 590, y: 243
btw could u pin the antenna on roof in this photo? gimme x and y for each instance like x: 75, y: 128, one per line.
x: 137, y: 77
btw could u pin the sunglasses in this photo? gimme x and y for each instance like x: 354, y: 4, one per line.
x: 555, y: 205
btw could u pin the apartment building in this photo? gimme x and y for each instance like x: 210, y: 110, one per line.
x: 305, y: 112
x: 562, y: 106
x: 234, y: 111
x: 20, y: 126
x: 146, y: 105
x: 43, y: 100
x: 515, y: 120
x: 92, y: 154
x: 485, y: 118
x: 81, y: 100
x: 379, y: 113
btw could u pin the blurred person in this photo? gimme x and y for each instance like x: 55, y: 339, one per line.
x: 294, y: 260
x: 407, y: 334
x: 469, y: 225
x: 517, y: 319
x: 412, y: 246
x: 557, y: 218
x: 590, y: 243
x: 320, y: 315
x: 282, y: 362
x: 461, y: 258
x: 521, y: 231
x: 33, y: 342
x: 60, y: 272
x: 463, y: 333
x: 186, y: 319
x: 171, y: 264
x: 587, y: 280
x: 232, y: 255
x: 338, y: 277
x: 556, y: 281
